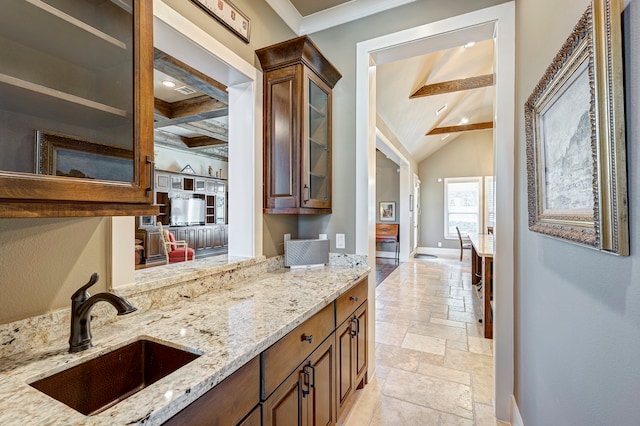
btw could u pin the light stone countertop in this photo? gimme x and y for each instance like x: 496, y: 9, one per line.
x: 228, y: 326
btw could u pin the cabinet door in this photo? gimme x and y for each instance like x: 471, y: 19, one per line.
x: 202, y: 238
x: 284, y: 406
x: 217, y: 236
x: 154, y: 245
x: 306, y: 397
x: 321, y: 400
x: 360, y: 342
x: 282, y: 136
x: 345, y: 360
x: 316, y: 144
x: 82, y: 110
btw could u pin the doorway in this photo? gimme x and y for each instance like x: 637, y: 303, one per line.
x: 499, y: 20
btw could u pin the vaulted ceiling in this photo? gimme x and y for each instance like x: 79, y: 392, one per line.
x: 427, y: 100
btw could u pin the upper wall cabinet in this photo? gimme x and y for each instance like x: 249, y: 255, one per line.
x: 297, y: 127
x: 76, y: 108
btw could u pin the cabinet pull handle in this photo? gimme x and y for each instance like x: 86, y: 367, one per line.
x: 305, y: 383
x: 312, y: 382
x: 354, y: 298
x: 353, y: 331
x: 308, y: 338
x: 151, y: 183
x: 305, y: 195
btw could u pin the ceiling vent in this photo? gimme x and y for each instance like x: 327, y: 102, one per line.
x: 185, y: 90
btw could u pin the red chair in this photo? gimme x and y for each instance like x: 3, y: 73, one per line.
x: 175, y: 250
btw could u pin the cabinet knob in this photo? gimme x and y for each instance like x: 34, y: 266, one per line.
x: 354, y: 298
x: 307, y: 338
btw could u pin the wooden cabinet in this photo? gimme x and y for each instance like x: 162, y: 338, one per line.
x: 351, y: 345
x: 82, y: 110
x: 227, y: 403
x: 152, y: 244
x: 298, y: 82
x: 307, y: 396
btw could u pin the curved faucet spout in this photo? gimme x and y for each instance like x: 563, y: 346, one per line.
x: 81, y: 304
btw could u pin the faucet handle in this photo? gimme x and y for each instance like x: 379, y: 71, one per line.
x: 82, y: 294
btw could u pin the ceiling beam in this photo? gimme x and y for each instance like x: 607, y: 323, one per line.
x: 171, y: 140
x: 461, y: 128
x: 208, y: 128
x: 201, y: 141
x: 189, y: 76
x: 162, y: 121
x: 454, y: 86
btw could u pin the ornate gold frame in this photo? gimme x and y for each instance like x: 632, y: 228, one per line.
x: 594, y: 46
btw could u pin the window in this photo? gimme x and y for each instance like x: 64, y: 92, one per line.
x: 462, y: 207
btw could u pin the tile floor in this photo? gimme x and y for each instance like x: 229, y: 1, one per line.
x: 433, y: 365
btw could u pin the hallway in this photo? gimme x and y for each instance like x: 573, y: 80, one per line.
x: 433, y: 366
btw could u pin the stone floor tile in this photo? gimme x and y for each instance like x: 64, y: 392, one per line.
x: 418, y: 342
x: 480, y: 345
x: 439, y: 330
x: 389, y: 333
x: 453, y: 420
x: 483, y: 389
x: 391, y: 411
x: 431, y: 392
x: 397, y: 357
x: 467, y: 361
x: 445, y: 373
x: 450, y: 323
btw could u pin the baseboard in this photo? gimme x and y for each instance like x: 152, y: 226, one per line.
x: 516, y: 418
x: 439, y: 251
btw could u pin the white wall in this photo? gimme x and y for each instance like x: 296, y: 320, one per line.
x: 174, y: 160
x: 387, y: 189
x: 577, y: 310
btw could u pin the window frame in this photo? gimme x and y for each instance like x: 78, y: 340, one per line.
x: 480, y: 210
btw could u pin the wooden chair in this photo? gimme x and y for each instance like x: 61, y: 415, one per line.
x: 463, y: 245
x: 174, y: 250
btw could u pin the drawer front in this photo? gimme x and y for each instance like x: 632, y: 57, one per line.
x: 349, y: 302
x: 227, y: 403
x: 283, y: 357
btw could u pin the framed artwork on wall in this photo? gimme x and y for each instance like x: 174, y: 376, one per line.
x: 575, y: 138
x: 63, y: 155
x: 387, y: 211
x: 228, y: 15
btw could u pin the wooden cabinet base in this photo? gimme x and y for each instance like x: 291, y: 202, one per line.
x: 227, y: 403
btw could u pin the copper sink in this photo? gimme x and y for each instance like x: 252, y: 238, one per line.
x: 102, y: 382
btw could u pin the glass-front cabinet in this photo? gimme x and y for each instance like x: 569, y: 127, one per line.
x: 76, y: 108
x: 298, y: 82
x: 317, y: 156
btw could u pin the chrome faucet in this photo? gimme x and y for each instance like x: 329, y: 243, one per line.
x: 81, y: 304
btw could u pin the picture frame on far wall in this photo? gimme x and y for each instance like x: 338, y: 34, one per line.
x: 228, y: 15
x: 387, y: 211
x: 575, y: 138
x: 70, y: 156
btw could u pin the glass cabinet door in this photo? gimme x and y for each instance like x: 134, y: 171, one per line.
x: 73, y: 124
x: 316, y: 187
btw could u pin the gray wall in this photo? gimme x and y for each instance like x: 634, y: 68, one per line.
x: 577, y: 310
x: 470, y: 154
x: 387, y: 189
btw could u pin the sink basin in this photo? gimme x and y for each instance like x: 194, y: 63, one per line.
x: 102, y: 382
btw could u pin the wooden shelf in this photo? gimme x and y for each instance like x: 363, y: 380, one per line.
x: 26, y: 97
x: 61, y: 35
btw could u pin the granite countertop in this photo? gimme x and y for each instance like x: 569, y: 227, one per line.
x: 228, y: 326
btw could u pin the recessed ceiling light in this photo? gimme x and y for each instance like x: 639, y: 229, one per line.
x: 441, y: 109
x: 168, y: 83
x: 464, y: 120
x: 470, y: 44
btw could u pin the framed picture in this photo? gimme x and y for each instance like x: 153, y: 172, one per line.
x: 62, y: 155
x: 228, y: 15
x: 575, y: 138
x: 387, y: 211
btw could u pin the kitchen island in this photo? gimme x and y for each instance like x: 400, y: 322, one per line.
x: 229, y: 326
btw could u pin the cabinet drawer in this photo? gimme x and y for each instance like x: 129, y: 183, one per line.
x: 227, y: 403
x: 284, y: 356
x: 349, y: 302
